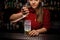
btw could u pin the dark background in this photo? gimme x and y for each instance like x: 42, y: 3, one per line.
x: 52, y: 5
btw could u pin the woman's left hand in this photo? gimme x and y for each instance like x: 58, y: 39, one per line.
x: 33, y: 33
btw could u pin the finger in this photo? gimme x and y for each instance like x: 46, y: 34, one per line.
x: 31, y: 33
x: 34, y: 33
x: 25, y: 10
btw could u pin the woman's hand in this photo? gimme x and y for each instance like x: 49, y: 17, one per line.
x: 33, y: 33
x: 24, y: 10
x: 36, y: 32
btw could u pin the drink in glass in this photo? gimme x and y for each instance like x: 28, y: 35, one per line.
x: 27, y: 26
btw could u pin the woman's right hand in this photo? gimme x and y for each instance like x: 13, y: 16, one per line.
x: 25, y: 10
x: 23, y: 13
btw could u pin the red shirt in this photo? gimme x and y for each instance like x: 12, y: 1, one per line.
x: 35, y: 24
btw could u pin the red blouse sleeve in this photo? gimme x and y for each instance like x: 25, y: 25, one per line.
x: 46, y: 19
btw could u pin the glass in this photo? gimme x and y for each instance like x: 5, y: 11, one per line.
x: 27, y: 26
